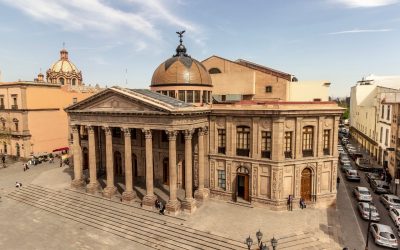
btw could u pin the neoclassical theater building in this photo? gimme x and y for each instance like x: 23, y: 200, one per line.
x: 177, y: 138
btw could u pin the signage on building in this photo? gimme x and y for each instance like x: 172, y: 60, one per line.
x: 397, y: 181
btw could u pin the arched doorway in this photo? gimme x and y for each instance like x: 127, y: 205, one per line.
x: 166, y: 171
x: 242, y: 183
x: 306, y: 177
x: 118, y: 163
x: 134, y: 166
x: 85, y: 155
x: 5, y: 147
x: 18, y: 152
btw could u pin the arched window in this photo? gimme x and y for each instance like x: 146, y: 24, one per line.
x: 242, y: 141
x: 214, y: 71
x: 15, y: 120
x: 308, y: 141
x: 73, y: 81
x: 61, y: 81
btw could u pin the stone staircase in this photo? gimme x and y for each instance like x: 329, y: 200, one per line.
x: 142, y: 226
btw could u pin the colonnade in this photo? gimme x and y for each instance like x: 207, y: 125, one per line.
x: 173, y: 205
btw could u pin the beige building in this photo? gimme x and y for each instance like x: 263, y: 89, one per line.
x: 31, y: 113
x: 257, y: 152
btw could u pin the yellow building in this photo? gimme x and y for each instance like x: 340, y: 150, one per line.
x: 31, y: 112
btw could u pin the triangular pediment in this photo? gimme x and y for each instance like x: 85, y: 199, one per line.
x: 110, y: 100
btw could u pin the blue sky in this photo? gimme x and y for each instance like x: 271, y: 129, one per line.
x: 335, y: 40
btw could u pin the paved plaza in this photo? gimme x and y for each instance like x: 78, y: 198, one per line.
x: 41, y: 215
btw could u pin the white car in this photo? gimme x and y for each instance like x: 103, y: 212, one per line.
x: 395, y: 215
x: 390, y: 201
x: 362, y: 194
x: 383, y: 235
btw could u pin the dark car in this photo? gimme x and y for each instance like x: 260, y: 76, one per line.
x: 380, y: 187
x: 355, y: 154
x: 352, y: 175
x: 373, y: 176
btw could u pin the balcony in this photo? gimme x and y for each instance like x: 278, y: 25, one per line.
x: 288, y: 155
x: 14, y: 106
x: 221, y: 150
x: 326, y: 151
x: 308, y: 153
x: 266, y: 154
x: 243, y: 152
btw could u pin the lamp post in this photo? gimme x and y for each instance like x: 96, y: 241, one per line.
x: 261, y: 245
x: 369, y: 225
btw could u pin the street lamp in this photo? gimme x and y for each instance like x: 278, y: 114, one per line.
x: 249, y: 242
x: 261, y: 245
x: 259, y: 236
x: 274, y: 243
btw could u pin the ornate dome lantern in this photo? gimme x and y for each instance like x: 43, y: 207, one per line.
x: 183, y: 77
x: 64, y: 71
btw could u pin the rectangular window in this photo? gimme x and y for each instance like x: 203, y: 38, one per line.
x: 15, y: 103
x: 266, y: 144
x: 189, y: 96
x: 221, y: 141
x: 388, y: 113
x: 308, y: 141
x: 243, y: 141
x: 74, y: 100
x: 221, y: 179
x: 197, y: 96
x: 383, y: 111
x: 16, y: 126
x: 205, y: 97
x: 380, y: 139
x: 181, y: 95
x: 268, y: 89
x: 326, y: 143
x: 2, y: 102
x: 164, y: 92
x: 209, y: 96
x: 223, y: 98
x: 386, y: 137
x: 288, y: 145
x: 172, y: 93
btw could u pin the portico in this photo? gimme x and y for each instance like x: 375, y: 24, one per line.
x: 140, y: 124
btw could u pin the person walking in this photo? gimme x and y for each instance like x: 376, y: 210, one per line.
x: 302, y: 203
x: 337, y: 182
x: 162, y: 208
x: 289, y: 203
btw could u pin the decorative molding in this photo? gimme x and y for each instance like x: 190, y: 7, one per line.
x: 172, y: 134
x: 188, y: 133
x: 107, y: 130
x: 147, y: 133
x: 127, y: 132
x: 90, y: 130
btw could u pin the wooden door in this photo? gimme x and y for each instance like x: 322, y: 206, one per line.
x: 306, y: 184
x: 246, y: 188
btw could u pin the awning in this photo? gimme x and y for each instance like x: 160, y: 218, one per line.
x: 61, y: 149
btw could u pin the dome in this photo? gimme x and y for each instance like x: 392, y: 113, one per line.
x: 64, y: 64
x: 64, y: 71
x: 181, y: 69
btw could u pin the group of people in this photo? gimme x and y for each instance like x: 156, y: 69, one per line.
x: 160, y: 206
x: 302, y: 203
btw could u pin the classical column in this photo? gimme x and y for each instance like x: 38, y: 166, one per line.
x: 189, y: 204
x: 110, y: 188
x: 77, y: 151
x: 201, y: 193
x: 173, y: 204
x: 128, y: 194
x: 149, y: 198
x: 94, y: 184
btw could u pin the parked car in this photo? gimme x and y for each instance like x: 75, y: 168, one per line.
x: 395, y: 215
x: 373, y: 176
x: 380, y: 187
x: 344, y: 160
x: 364, y: 208
x: 355, y: 155
x: 383, y: 235
x: 390, y: 201
x: 362, y: 194
x: 363, y: 164
x: 352, y: 175
x: 345, y: 166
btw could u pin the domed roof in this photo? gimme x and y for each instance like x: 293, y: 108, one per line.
x: 64, y: 64
x: 181, y: 69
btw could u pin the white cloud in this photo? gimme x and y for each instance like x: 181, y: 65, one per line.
x: 365, y: 3
x: 359, y: 31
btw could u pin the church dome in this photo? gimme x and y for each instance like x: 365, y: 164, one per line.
x: 64, y: 71
x: 181, y: 69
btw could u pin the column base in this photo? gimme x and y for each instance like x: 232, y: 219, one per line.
x: 201, y: 194
x: 78, y: 183
x: 93, y: 188
x: 173, y: 207
x: 189, y: 205
x: 148, y: 201
x: 127, y: 196
x: 108, y: 192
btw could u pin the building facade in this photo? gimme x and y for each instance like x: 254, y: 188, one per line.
x: 32, y: 117
x: 257, y: 152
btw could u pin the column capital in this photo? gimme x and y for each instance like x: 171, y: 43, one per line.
x: 90, y: 129
x: 171, y: 134
x: 188, y: 133
x: 203, y: 131
x: 75, y: 128
x: 127, y: 132
x: 107, y: 130
x: 147, y: 133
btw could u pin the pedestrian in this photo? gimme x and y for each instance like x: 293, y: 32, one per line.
x: 289, y: 203
x: 337, y: 182
x: 162, y: 208
x: 157, y: 204
x: 302, y: 203
x: 3, y: 159
x: 18, y: 184
x: 61, y: 162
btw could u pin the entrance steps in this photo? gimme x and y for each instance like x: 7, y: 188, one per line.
x: 131, y: 222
